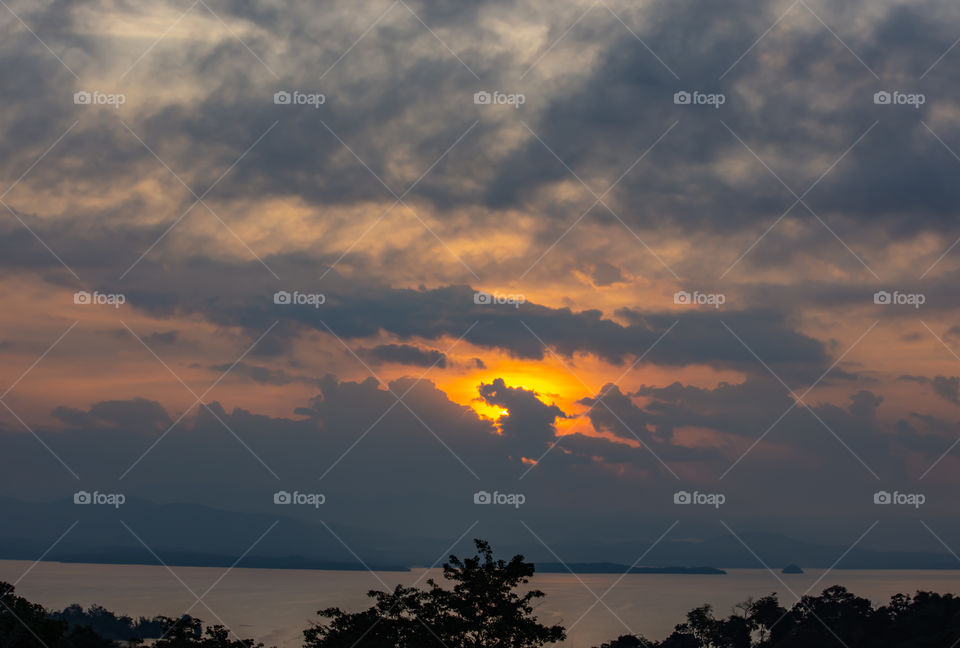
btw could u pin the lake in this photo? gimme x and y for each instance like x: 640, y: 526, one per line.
x: 273, y: 606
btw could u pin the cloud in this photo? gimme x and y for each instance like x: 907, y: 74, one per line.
x: 605, y: 274
x: 406, y: 354
x: 529, y: 423
x: 138, y: 414
x: 947, y: 388
x: 260, y: 374
x: 395, y: 113
x: 352, y: 312
x: 495, y: 201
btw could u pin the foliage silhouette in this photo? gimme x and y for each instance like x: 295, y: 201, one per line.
x: 482, y: 610
x: 186, y: 632
x: 28, y: 625
x: 111, y: 626
x: 835, y: 618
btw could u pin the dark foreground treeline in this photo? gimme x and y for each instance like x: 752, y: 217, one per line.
x: 28, y: 625
x: 835, y: 618
x: 111, y: 626
x: 488, y: 605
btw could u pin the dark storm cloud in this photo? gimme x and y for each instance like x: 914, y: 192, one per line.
x: 850, y: 295
x: 354, y: 311
x: 382, y: 104
x: 660, y: 454
x: 937, y: 439
x: 606, y: 274
x: 137, y: 415
x: 405, y: 354
x: 399, y: 101
x: 898, y: 169
x: 162, y: 338
x: 347, y: 435
x: 946, y: 387
x: 530, y: 422
x: 154, y: 339
x: 240, y: 294
x: 853, y: 438
x: 738, y: 409
x: 260, y: 374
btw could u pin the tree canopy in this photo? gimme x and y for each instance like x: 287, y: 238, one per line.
x: 835, y: 618
x: 483, y: 609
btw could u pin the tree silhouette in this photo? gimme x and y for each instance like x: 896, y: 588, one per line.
x: 27, y: 625
x: 186, y: 632
x: 482, y: 610
x: 109, y: 625
x: 834, y: 619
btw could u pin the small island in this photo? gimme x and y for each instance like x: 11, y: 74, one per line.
x: 792, y: 569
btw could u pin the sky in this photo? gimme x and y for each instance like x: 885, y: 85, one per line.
x: 606, y: 256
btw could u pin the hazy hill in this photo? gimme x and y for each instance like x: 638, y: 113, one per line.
x: 190, y: 534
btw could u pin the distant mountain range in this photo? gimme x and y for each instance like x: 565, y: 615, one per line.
x: 143, y: 532
x: 190, y: 534
x: 776, y: 551
x: 615, y: 568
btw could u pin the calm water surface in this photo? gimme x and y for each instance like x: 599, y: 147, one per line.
x: 273, y: 606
